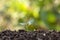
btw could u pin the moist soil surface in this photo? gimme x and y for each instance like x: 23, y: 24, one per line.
x: 29, y: 35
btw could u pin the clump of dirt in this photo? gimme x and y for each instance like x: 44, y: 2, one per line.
x: 29, y: 35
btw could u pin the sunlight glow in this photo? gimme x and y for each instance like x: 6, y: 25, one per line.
x: 25, y: 2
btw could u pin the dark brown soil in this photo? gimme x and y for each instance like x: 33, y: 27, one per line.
x: 33, y: 35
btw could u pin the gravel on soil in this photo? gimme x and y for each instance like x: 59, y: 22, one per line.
x: 29, y: 35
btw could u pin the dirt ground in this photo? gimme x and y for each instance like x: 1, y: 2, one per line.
x: 29, y: 35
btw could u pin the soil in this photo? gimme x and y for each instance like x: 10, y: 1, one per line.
x: 29, y: 35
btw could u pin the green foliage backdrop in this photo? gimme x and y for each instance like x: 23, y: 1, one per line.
x: 30, y: 15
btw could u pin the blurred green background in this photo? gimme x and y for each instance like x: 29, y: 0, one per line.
x: 30, y: 15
